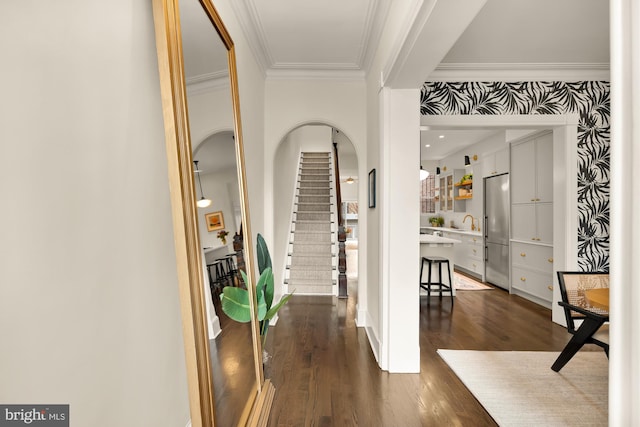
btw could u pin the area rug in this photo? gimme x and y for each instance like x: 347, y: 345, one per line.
x: 464, y: 283
x: 518, y: 388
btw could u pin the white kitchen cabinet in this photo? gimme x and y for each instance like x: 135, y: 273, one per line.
x: 448, y: 193
x: 495, y: 163
x: 531, y: 181
x: 470, y: 254
x: 537, y: 286
x: 544, y: 168
x: 536, y: 257
x: 532, y: 222
x: 532, y: 272
x: 532, y: 170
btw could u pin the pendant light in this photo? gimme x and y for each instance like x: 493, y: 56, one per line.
x: 203, y: 202
x: 423, y: 174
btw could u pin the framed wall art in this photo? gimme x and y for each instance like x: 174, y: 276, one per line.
x: 215, y: 221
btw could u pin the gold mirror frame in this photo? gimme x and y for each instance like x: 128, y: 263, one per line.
x: 184, y: 213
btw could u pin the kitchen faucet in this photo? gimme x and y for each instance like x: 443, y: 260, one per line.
x: 473, y: 224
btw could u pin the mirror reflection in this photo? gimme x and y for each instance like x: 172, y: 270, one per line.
x: 211, y: 124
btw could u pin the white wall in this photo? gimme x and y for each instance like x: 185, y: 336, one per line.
x: 89, y: 311
x: 400, y: 349
x: 290, y: 104
x: 222, y: 188
x: 210, y: 112
x: 376, y: 309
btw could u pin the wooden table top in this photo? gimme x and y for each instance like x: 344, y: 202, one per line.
x: 598, y: 297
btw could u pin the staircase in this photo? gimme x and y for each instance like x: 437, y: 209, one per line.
x: 310, y: 268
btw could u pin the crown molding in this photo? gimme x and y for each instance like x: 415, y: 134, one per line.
x: 245, y: 11
x: 315, y: 74
x: 247, y: 15
x: 376, y: 17
x: 520, y: 72
x: 207, y: 82
x: 418, y: 12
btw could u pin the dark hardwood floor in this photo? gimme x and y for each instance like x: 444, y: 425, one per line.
x: 325, y: 373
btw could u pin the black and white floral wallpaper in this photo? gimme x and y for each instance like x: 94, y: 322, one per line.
x: 589, y: 99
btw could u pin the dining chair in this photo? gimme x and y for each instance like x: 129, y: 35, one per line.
x: 574, y: 287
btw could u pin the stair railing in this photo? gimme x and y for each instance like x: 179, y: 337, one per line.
x: 342, y: 235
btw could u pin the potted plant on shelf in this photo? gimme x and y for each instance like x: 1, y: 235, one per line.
x: 235, y: 300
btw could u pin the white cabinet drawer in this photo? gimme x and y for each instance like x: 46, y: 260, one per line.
x: 472, y: 240
x: 532, y: 282
x: 534, y: 257
x: 475, y: 265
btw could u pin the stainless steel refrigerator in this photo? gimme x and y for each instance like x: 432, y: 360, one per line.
x: 496, y: 230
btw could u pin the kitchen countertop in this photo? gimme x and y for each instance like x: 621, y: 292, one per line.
x: 437, y: 240
x: 453, y: 230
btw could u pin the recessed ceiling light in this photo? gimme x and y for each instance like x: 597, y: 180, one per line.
x: 441, y: 136
x: 428, y: 145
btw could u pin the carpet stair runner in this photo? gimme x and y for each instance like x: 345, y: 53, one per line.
x: 311, y: 265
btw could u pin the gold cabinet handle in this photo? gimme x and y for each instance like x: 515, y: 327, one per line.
x: 550, y: 260
x: 522, y: 254
x: 523, y: 279
x: 533, y: 200
x: 474, y: 239
x: 550, y: 287
x: 474, y: 251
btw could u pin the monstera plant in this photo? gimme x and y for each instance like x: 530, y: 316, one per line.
x: 235, y: 300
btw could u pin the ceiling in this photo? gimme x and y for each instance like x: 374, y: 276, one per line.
x: 302, y: 38
x: 338, y: 38
x: 339, y: 35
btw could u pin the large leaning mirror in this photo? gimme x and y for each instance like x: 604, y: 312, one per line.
x: 206, y: 165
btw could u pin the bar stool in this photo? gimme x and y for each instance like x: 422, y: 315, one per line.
x: 231, y: 269
x: 217, y: 278
x: 430, y: 261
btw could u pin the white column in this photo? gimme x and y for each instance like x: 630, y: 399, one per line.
x: 624, y: 362
x: 399, y: 202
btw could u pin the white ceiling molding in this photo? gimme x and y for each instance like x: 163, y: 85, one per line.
x: 250, y: 23
x: 254, y: 29
x: 408, y: 36
x: 519, y: 72
x: 314, y: 74
x: 434, y: 28
x: 207, y: 82
x: 376, y: 17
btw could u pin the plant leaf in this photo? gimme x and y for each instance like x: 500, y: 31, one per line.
x: 273, y: 310
x: 262, y: 307
x: 235, y: 304
x: 261, y: 293
x: 264, y: 259
x: 268, y: 286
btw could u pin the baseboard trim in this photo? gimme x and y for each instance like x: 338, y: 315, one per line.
x: 361, y: 317
x: 373, y: 342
